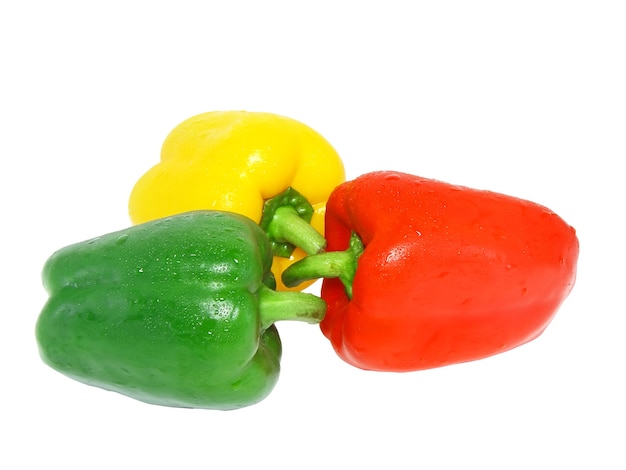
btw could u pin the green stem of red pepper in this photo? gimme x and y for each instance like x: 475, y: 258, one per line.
x: 335, y: 264
x: 299, y: 306
x: 286, y: 221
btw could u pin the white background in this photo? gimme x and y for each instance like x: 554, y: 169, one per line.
x: 526, y: 98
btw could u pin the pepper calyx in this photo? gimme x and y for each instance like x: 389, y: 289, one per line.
x: 333, y: 264
x: 286, y: 221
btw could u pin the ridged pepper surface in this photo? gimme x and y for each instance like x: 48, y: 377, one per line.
x: 236, y: 161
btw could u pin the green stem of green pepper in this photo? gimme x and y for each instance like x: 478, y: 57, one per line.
x: 278, y: 306
x: 336, y: 264
x: 286, y: 221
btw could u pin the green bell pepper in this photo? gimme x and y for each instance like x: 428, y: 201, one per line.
x: 178, y: 311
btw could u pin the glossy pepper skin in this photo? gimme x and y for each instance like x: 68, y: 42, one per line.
x: 173, y: 312
x: 235, y: 161
x: 447, y: 274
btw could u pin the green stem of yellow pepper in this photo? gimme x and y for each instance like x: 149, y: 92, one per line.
x: 286, y: 221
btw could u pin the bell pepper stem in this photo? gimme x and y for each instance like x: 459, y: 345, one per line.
x: 286, y: 221
x: 334, y: 264
x: 288, y: 227
x: 286, y: 305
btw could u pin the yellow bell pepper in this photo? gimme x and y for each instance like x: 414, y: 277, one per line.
x: 235, y: 161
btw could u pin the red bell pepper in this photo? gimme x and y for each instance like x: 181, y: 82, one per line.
x: 436, y: 274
